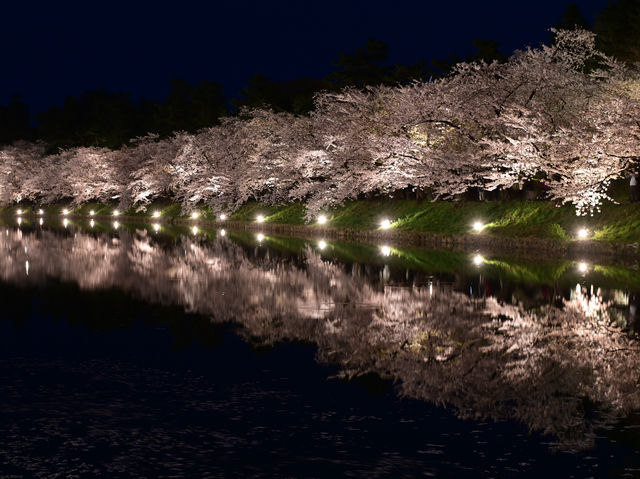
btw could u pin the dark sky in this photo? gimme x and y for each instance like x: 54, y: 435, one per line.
x: 55, y: 48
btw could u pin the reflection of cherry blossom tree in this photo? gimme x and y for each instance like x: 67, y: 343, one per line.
x: 481, y: 357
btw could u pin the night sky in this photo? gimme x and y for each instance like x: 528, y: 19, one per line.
x: 55, y: 48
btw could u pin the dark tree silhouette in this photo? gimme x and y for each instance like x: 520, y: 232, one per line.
x: 294, y: 96
x: 14, y: 121
x: 370, y: 66
x: 618, y: 30
x: 485, y: 50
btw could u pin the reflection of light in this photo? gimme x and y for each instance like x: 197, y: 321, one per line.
x: 65, y: 222
x: 583, y: 233
x: 92, y: 223
x: 40, y: 212
x: 195, y: 215
x: 156, y: 214
x: 65, y: 211
x: 385, y: 224
x: 116, y: 225
x: 19, y: 212
x: 385, y: 250
x: 223, y: 217
x: 41, y: 221
x: 194, y: 230
x: 478, y: 260
x: 322, y: 219
x: 19, y: 221
x: 91, y: 213
x: 260, y: 218
x: 260, y: 237
x: 583, y: 267
x: 223, y: 233
x: 116, y: 212
x: 477, y: 226
x: 322, y: 244
x: 26, y: 266
x: 156, y: 227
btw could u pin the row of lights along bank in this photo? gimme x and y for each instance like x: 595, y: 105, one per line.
x: 156, y: 214
x: 385, y: 250
x: 384, y: 223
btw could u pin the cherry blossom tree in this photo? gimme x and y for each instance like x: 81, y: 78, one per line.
x: 565, y: 114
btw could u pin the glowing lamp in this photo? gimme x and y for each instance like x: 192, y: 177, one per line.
x: 583, y: 233
x: 478, y: 260
x: 223, y: 217
x: 19, y: 212
x: 322, y: 219
x: 195, y: 215
x: 477, y: 226
x: 91, y: 213
x: 385, y: 250
x: 116, y: 212
x: 156, y: 214
x: 322, y: 244
x: 260, y: 219
x: 40, y: 212
x: 65, y: 212
x: 385, y: 224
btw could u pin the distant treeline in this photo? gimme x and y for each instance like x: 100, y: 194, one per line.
x: 103, y: 118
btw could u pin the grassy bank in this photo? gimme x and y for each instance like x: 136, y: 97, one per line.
x: 515, y: 218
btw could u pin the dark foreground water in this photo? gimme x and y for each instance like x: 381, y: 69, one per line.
x: 135, y: 353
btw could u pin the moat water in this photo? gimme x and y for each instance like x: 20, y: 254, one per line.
x: 142, y: 351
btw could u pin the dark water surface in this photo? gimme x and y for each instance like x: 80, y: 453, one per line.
x: 143, y: 353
